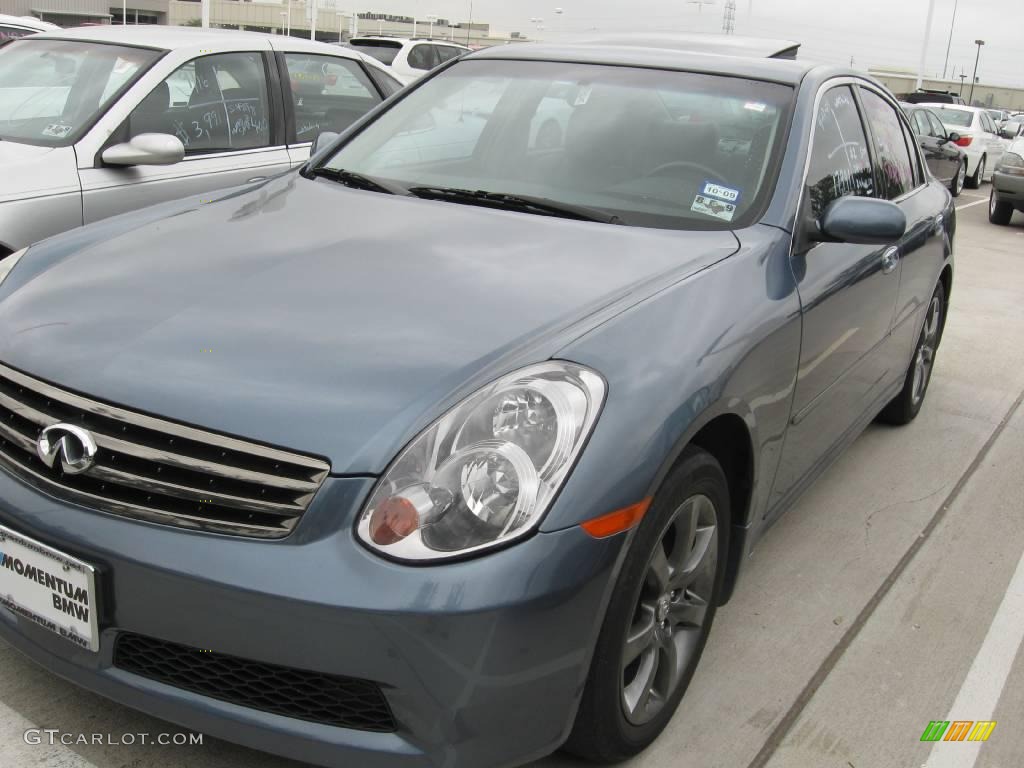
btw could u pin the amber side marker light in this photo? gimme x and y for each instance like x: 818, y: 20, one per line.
x: 617, y: 521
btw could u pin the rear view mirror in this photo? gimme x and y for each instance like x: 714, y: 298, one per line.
x: 323, y: 140
x: 864, y: 221
x: 146, y: 149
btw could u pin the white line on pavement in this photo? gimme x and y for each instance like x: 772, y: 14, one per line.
x: 969, y: 205
x: 984, y: 683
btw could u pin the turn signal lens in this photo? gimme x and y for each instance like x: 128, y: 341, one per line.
x: 616, y: 522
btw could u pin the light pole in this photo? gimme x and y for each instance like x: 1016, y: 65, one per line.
x: 469, y: 29
x: 977, y: 58
x: 949, y: 45
x: 924, y: 45
x: 963, y: 77
x: 432, y: 18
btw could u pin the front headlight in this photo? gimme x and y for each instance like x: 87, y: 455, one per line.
x: 486, y: 472
x: 7, y: 263
x: 1012, y: 164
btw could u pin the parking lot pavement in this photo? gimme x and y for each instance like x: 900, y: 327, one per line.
x: 890, y: 596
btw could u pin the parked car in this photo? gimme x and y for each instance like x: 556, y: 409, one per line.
x: 406, y: 463
x: 12, y: 27
x: 1007, y: 193
x: 933, y: 97
x: 101, y: 120
x: 979, y: 138
x: 408, y: 59
x: 945, y: 160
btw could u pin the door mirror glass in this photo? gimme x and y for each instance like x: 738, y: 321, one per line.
x: 146, y: 149
x: 954, y: 137
x: 864, y: 221
x: 323, y: 140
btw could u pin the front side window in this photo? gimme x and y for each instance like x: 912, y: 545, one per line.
x: 214, y: 103
x: 655, y: 148
x: 423, y: 57
x: 840, y: 160
x: 920, y: 122
x: 10, y: 33
x: 896, y: 171
x: 328, y: 93
x: 52, y: 91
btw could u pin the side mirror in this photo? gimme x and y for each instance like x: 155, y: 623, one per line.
x: 954, y: 137
x: 1007, y: 133
x: 146, y: 149
x: 863, y: 221
x: 323, y: 140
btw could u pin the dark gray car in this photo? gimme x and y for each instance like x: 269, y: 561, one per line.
x: 445, y: 450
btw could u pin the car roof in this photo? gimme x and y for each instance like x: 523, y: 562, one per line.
x: 26, y: 22
x: 962, y: 107
x: 782, y: 71
x: 173, y: 38
x: 405, y: 40
x: 694, y: 42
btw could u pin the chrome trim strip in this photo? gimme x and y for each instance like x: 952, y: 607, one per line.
x: 159, y: 425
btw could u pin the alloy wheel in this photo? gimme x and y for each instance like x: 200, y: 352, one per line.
x: 961, y: 176
x: 664, y: 635
x: 925, y: 357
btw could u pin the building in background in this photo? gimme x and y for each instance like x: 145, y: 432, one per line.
x: 333, y: 22
x: 991, y: 96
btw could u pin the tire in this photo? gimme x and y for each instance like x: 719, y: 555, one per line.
x: 999, y: 211
x: 974, y: 182
x: 907, y: 404
x: 956, y: 186
x: 667, y: 610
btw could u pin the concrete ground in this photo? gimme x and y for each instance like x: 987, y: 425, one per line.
x: 890, y: 596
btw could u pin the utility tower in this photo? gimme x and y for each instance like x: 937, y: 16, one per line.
x: 729, y: 17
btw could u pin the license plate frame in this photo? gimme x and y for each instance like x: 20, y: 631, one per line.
x: 30, y: 569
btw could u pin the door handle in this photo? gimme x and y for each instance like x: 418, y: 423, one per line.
x: 890, y: 260
x: 254, y: 179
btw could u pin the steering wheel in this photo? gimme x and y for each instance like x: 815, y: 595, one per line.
x: 710, y: 172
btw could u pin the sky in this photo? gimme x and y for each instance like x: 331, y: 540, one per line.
x: 874, y: 33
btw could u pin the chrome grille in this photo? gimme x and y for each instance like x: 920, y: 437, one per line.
x: 156, y: 470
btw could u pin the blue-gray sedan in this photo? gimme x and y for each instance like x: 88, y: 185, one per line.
x: 444, y: 450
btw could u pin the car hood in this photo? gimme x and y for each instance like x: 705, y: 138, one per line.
x: 30, y: 171
x: 318, y: 318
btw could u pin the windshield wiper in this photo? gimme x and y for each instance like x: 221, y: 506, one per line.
x: 356, y: 180
x: 541, y: 206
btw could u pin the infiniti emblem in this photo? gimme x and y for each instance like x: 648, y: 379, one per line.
x: 75, y: 446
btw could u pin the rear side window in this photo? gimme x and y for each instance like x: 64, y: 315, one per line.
x: 840, y: 161
x: 896, y: 172
x: 447, y: 53
x: 920, y: 122
x: 328, y: 93
x: 423, y: 57
x: 382, y: 50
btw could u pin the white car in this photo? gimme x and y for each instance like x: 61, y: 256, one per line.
x: 101, y: 120
x: 978, y: 137
x: 408, y: 59
x: 12, y: 27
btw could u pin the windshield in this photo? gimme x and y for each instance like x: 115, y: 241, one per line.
x: 960, y: 117
x: 51, y: 91
x: 382, y: 52
x: 650, y: 147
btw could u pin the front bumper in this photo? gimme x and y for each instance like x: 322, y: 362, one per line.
x: 1009, y: 189
x: 482, y: 662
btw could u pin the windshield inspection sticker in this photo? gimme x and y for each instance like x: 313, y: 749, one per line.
x: 729, y: 195
x: 58, y: 130
x: 712, y: 207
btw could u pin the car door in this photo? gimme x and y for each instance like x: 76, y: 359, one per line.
x: 952, y: 157
x: 995, y: 148
x: 934, y: 157
x: 322, y: 93
x: 227, y: 115
x: 923, y: 248
x: 848, y: 296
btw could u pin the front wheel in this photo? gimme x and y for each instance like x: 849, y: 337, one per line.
x: 907, y: 404
x: 979, y: 175
x: 999, y: 211
x: 659, y: 617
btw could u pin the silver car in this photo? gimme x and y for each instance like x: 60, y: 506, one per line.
x: 102, y: 120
